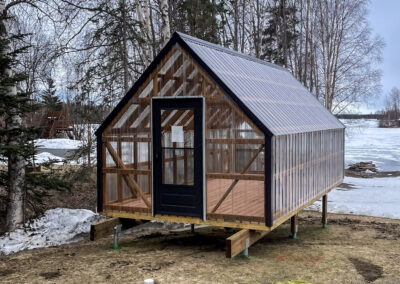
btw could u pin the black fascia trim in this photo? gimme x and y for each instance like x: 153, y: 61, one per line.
x: 268, y: 185
x: 99, y: 173
x: 227, y: 90
x: 137, y: 84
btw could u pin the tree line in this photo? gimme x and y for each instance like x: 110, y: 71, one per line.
x: 94, y: 50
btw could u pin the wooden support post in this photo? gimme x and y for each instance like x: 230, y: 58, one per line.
x: 241, y: 241
x: 294, y: 225
x: 324, y: 210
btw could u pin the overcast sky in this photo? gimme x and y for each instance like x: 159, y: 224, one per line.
x: 384, y: 17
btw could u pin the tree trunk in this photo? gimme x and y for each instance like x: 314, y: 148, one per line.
x: 236, y: 25
x: 124, y: 47
x: 252, y: 37
x: 16, y: 162
x: 147, y: 20
x: 165, y: 29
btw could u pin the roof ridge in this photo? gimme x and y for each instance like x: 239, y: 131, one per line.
x: 229, y: 51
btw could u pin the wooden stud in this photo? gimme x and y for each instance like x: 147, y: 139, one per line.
x: 119, y: 177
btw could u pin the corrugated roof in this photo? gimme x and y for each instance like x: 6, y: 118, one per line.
x: 277, y: 99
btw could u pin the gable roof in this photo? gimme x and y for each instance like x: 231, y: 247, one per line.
x: 268, y: 94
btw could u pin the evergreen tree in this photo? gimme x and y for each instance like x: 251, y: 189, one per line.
x: 16, y: 138
x: 198, y: 18
x: 49, y: 98
x: 280, y: 33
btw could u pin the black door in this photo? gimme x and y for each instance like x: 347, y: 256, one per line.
x: 178, y: 156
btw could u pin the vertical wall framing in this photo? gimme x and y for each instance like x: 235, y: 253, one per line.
x: 99, y: 173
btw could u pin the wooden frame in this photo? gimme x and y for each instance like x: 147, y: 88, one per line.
x: 295, y: 169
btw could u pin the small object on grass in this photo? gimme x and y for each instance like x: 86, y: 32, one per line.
x: 117, y: 231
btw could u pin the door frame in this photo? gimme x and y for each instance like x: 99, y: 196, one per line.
x: 203, y: 147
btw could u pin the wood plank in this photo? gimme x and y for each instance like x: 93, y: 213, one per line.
x: 190, y: 220
x: 106, y: 227
x: 236, y: 243
x: 234, y: 141
x: 236, y: 176
x: 103, y: 228
x: 119, y: 178
x: 126, y: 171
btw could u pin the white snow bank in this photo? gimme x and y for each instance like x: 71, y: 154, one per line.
x: 45, y: 157
x: 58, y: 143
x: 377, y: 197
x: 56, y: 227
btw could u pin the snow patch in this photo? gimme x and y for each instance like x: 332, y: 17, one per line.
x: 56, y: 227
x: 58, y: 143
x: 376, y: 197
x: 45, y: 157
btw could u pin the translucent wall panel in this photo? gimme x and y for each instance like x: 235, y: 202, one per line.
x: 306, y: 165
x: 235, y: 162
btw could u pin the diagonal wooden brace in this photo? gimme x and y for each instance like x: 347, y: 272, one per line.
x: 134, y: 187
x: 230, y: 188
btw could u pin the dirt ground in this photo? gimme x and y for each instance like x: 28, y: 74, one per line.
x: 353, y: 249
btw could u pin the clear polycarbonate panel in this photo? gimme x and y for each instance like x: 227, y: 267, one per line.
x: 234, y: 162
x: 306, y: 166
x: 270, y: 92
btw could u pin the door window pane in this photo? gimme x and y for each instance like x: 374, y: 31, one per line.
x: 177, y: 146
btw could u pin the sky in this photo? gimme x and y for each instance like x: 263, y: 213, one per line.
x: 384, y: 18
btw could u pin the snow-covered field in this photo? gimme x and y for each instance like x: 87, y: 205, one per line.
x: 378, y: 197
x: 57, y: 226
x: 366, y: 142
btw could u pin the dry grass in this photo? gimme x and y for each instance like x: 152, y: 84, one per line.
x: 352, y: 249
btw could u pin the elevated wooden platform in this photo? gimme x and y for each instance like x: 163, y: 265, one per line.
x: 244, y: 203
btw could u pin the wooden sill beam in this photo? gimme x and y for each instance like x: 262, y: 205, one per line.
x: 235, y: 141
x: 106, y: 227
x: 126, y: 139
x: 236, y: 176
x: 126, y: 171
